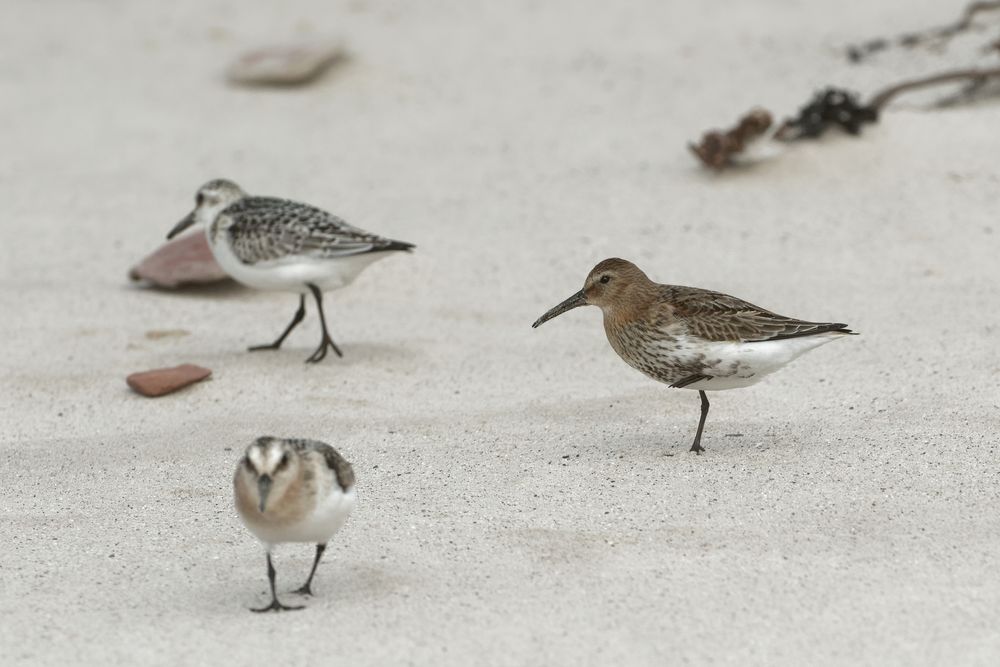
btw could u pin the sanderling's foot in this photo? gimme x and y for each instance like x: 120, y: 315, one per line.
x: 304, y: 590
x: 299, y: 314
x: 277, y: 606
x: 320, y: 352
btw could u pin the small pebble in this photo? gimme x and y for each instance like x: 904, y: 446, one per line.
x: 162, y: 381
x: 285, y: 65
x: 157, y: 334
x: 184, y: 260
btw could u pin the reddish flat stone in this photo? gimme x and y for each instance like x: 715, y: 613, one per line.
x: 187, y: 259
x: 166, y: 380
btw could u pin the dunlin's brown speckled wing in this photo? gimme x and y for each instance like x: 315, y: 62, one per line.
x: 720, y: 317
x: 267, y: 228
x: 337, y: 463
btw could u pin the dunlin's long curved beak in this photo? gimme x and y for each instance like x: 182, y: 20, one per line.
x: 575, y: 301
x: 182, y: 225
x: 263, y: 490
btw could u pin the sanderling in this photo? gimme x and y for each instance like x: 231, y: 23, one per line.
x: 276, y: 244
x: 290, y: 490
x: 690, y: 337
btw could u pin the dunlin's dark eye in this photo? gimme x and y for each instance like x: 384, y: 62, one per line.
x: 284, y: 461
x: 605, y: 279
x: 199, y: 199
x: 249, y: 464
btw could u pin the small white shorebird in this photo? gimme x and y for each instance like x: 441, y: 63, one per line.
x: 690, y: 337
x: 291, y: 490
x: 276, y: 244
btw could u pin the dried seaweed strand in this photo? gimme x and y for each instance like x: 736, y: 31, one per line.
x: 859, y: 52
x: 974, y: 76
x: 835, y: 107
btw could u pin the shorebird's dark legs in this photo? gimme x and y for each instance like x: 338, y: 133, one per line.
x: 696, y: 447
x: 299, y: 314
x: 320, y: 352
x: 306, y: 587
x: 275, y: 605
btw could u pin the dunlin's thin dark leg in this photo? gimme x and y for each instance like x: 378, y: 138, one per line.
x: 275, y: 605
x: 299, y: 314
x: 320, y: 352
x: 307, y: 587
x: 696, y: 447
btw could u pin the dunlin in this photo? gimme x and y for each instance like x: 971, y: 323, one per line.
x: 290, y: 490
x: 690, y: 337
x: 276, y: 244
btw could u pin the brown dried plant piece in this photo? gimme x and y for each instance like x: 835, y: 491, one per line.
x: 717, y: 147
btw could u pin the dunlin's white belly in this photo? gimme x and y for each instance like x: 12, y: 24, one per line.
x: 736, y: 365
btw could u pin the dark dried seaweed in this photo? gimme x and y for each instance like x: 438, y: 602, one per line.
x: 836, y: 107
x: 828, y: 108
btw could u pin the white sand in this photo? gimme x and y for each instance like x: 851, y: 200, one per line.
x: 525, y: 498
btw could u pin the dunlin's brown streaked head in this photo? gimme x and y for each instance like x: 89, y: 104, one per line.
x: 690, y: 337
x: 614, y: 284
x: 293, y: 490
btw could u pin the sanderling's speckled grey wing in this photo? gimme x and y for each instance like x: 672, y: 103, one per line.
x: 266, y: 228
x: 719, y: 317
x: 337, y: 463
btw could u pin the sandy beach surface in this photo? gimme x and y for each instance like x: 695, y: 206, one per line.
x: 525, y: 498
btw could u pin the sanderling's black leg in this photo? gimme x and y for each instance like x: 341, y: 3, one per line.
x: 299, y: 314
x: 307, y: 587
x: 696, y: 447
x: 275, y: 605
x: 320, y: 352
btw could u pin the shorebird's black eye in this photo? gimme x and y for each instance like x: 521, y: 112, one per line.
x: 199, y: 199
x: 605, y: 279
x: 284, y: 461
x: 249, y: 464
